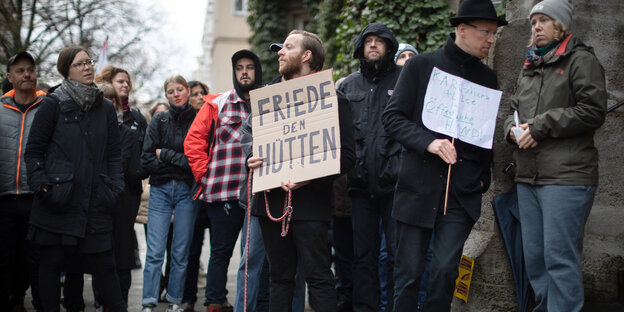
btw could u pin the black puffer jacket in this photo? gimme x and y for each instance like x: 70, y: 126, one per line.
x: 369, y: 91
x: 167, y: 131
x: 74, y: 165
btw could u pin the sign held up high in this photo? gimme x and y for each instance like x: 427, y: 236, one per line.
x: 460, y: 108
x: 295, y: 130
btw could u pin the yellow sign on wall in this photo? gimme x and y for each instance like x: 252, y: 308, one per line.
x: 462, y: 284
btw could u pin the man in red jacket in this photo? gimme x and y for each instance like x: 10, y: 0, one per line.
x: 221, y: 174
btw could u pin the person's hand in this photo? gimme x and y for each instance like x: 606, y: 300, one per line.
x: 511, y: 134
x: 289, y: 186
x: 444, y: 149
x: 158, y: 153
x: 526, y: 140
x: 254, y: 162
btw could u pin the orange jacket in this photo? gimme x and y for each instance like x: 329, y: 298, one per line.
x: 15, y: 129
x: 199, y: 140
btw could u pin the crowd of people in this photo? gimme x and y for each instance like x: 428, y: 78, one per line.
x: 383, y: 235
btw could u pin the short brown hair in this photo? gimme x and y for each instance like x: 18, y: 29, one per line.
x: 175, y: 78
x: 560, y: 32
x: 109, y: 72
x: 66, y: 57
x: 313, y: 43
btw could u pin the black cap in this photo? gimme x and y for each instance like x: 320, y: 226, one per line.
x: 275, y: 47
x: 22, y: 55
x: 470, y: 10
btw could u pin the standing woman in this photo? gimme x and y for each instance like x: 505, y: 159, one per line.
x: 561, y: 102
x: 171, y: 181
x: 132, y: 126
x: 74, y: 167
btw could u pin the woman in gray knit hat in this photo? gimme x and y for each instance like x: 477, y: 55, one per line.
x: 560, y: 103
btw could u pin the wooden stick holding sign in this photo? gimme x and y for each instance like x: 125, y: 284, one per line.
x: 460, y: 109
x: 448, y: 183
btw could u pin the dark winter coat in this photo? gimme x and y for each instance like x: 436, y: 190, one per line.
x: 422, y: 175
x: 369, y: 91
x: 167, y: 131
x: 312, y: 201
x: 74, y: 166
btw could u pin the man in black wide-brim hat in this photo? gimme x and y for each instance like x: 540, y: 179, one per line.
x: 419, y: 199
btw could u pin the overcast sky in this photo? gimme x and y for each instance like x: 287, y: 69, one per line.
x: 181, y: 24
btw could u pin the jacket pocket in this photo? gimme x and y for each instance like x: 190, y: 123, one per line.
x: 390, y: 161
x: 58, y: 192
x: 105, y: 193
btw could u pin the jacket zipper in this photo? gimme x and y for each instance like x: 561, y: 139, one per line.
x: 539, y: 97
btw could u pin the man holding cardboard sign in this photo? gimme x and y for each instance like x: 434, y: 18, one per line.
x: 309, y: 152
x: 420, y: 191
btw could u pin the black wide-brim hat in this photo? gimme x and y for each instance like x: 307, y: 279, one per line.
x: 470, y: 10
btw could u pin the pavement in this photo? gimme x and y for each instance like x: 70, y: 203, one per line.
x: 134, y: 297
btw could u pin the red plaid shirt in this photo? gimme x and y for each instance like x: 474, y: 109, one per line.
x: 226, y: 170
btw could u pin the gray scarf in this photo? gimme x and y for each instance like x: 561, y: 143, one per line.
x: 84, y: 95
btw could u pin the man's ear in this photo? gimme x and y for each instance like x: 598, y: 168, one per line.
x: 306, y: 56
x: 9, y: 78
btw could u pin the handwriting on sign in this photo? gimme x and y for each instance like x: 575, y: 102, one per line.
x: 460, y: 108
x: 295, y: 130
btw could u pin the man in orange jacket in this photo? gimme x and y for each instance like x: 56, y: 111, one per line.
x: 17, y: 256
x: 221, y: 174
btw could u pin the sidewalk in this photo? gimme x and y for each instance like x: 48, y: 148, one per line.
x: 134, y: 297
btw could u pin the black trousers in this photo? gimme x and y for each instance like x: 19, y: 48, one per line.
x: 449, y: 235
x: 342, y: 230
x: 307, y: 242
x: 102, y: 266
x: 19, y: 258
x: 366, y: 214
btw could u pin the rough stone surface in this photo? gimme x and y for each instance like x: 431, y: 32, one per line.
x: 598, y: 24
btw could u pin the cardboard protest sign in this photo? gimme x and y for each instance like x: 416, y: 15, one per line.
x: 461, y: 109
x: 295, y: 130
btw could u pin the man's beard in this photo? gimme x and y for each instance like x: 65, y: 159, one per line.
x: 246, y: 86
x: 291, y: 68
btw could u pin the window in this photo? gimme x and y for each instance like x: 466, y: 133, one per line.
x: 240, y: 7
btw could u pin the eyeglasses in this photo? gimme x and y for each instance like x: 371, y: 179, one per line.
x: 484, y: 32
x: 87, y: 63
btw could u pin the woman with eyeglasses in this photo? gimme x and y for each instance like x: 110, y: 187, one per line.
x: 170, y: 181
x: 74, y: 166
x: 561, y: 101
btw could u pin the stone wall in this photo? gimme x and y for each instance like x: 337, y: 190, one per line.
x: 599, y: 24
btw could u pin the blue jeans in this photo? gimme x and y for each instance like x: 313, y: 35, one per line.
x: 257, y: 259
x: 553, y: 223
x: 163, y: 201
x: 224, y: 229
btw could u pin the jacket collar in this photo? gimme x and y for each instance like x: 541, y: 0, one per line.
x: 455, y: 53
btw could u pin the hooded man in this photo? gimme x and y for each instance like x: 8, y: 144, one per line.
x: 17, y: 111
x: 371, y: 183
x: 425, y: 159
x: 221, y: 174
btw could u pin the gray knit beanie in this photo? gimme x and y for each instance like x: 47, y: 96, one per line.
x: 402, y: 48
x: 560, y: 10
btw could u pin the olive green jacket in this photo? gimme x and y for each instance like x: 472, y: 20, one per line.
x: 564, y: 101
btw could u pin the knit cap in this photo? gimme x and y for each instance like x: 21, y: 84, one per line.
x: 402, y: 48
x: 560, y: 10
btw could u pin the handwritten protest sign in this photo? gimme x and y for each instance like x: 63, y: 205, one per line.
x: 295, y: 130
x: 460, y: 108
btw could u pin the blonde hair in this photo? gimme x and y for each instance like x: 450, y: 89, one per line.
x: 109, y: 92
x: 560, y: 32
x: 175, y: 78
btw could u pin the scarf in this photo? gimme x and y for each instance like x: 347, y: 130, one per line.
x: 538, y: 56
x: 84, y: 95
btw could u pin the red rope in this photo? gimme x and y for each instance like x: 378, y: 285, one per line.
x: 286, y: 218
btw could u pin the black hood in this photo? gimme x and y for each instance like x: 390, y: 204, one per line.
x: 374, y: 70
x: 380, y: 30
x: 258, y: 71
